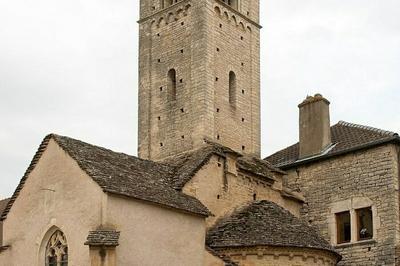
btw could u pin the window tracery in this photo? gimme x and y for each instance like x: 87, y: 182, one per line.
x: 57, y: 250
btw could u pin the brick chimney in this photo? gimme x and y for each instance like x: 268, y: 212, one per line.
x: 315, y: 133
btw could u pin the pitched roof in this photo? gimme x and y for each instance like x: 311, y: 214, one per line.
x: 187, y: 164
x: 346, y: 137
x: 3, y: 205
x: 120, y: 174
x: 227, y: 261
x: 263, y: 223
x: 103, y: 237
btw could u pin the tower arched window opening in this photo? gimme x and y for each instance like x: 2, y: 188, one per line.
x: 172, y: 83
x: 232, y: 88
x: 167, y: 3
x: 232, y: 3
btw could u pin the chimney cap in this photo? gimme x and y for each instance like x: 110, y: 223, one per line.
x: 313, y: 99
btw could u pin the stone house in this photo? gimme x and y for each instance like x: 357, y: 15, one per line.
x: 349, y: 176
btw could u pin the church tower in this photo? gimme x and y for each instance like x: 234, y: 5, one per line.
x: 199, y: 76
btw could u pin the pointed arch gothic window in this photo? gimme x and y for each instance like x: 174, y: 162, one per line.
x: 232, y: 88
x: 57, y: 250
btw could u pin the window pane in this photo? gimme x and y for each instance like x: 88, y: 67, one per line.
x: 52, y: 261
x: 343, y: 227
x: 364, y: 222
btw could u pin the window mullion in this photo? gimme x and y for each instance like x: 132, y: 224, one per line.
x: 354, y: 226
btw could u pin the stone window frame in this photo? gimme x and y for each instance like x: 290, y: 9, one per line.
x: 57, y: 248
x: 44, y: 239
x: 352, y: 205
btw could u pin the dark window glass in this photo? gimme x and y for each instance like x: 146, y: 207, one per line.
x: 232, y: 88
x: 343, y: 227
x: 52, y: 261
x: 364, y: 223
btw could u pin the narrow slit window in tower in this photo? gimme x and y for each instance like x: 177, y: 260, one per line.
x: 232, y: 88
x: 172, y: 83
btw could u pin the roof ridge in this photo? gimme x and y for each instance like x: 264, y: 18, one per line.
x: 56, y: 137
x: 374, y: 129
x: 177, y: 200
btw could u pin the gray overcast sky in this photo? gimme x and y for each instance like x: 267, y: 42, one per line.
x: 70, y: 67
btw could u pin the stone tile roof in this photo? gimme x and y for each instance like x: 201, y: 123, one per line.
x: 187, y: 164
x: 346, y: 137
x: 263, y: 223
x: 227, y: 261
x: 120, y: 174
x: 103, y: 237
x: 3, y: 205
x: 257, y: 166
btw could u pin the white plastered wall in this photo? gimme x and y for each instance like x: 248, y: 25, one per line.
x: 56, y: 195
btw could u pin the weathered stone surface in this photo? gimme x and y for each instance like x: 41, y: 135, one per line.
x: 280, y: 256
x: 103, y: 237
x: 314, y: 130
x: 370, y: 175
x: 203, y: 41
x: 263, y: 223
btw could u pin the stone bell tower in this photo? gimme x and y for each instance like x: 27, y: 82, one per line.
x: 199, y: 76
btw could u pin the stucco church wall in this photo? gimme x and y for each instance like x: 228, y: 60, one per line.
x: 365, y: 177
x: 211, y: 260
x: 152, y: 235
x: 223, y: 192
x: 280, y: 256
x: 56, y: 194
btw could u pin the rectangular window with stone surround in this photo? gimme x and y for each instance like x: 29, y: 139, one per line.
x: 354, y: 225
x: 343, y: 227
x: 364, y: 224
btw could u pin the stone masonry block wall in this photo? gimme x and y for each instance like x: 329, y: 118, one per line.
x: 171, y: 39
x: 280, y: 256
x: 222, y: 189
x: 235, y: 46
x: 371, y: 174
x: 202, y: 41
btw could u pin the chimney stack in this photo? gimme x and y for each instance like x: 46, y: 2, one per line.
x: 315, y: 131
